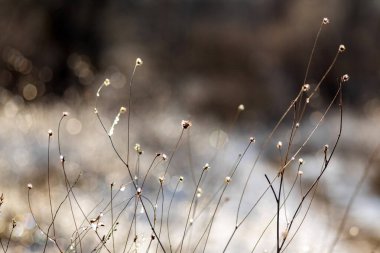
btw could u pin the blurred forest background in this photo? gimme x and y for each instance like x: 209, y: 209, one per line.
x: 202, y: 58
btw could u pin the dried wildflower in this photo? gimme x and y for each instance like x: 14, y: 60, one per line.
x: 14, y: 223
x: 164, y: 157
x: 307, y: 100
x: 107, y: 82
x: 50, y: 132
x: 297, y: 125
x: 279, y: 145
x: 325, y: 21
x: 181, y: 178
x: 139, y: 62
x: 161, y: 179
x: 227, y: 180
x: 138, y: 191
x: 326, y: 147
x: 342, y: 48
x: 300, y: 161
x: 185, y: 124
x: 345, y: 78
x: 241, y: 107
x: 300, y: 172
x: 252, y: 139
x: 306, y: 87
x: 206, y: 167
x: 30, y: 186
x: 62, y: 158
x: 65, y: 114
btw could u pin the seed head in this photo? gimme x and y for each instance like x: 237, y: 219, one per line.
x: 123, y: 109
x: 50, y: 132
x: 138, y: 149
x: 345, y: 78
x: 65, y: 114
x: 107, y: 82
x: 279, y: 145
x: 306, y: 87
x: 164, y: 157
x: 185, y: 124
x: 341, y: 48
x: 206, y: 167
x: 325, y: 21
x: 300, y: 172
x: 139, y: 62
x: 252, y: 139
x: 300, y: 161
x: 30, y: 186
x: 297, y: 125
x: 181, y: 178
x: 161, y: 179
x: 227, y: 180
x: 326, y: 148
x: 241, y: 107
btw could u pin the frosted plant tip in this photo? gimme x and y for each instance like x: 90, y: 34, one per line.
x: 65, y: 114
x: 30, y: 186
x: 139, y: 62
x: 300, y: 161
x: 342, y: 48
x: 241, y: 107
x: 206, y: 167
x: 252, y: 139
x: 279, y: 145
x: 227, y: 180
x: 186, y: 124
x: 325, y: 21
x: 50, y: 132
x: 123, y: 109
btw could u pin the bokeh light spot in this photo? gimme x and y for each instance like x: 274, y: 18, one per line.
x: 218, y: 138
x: 74, y: 126
x: 29, y: 92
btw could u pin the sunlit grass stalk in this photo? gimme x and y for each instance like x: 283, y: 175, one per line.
x: 205, y: 168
